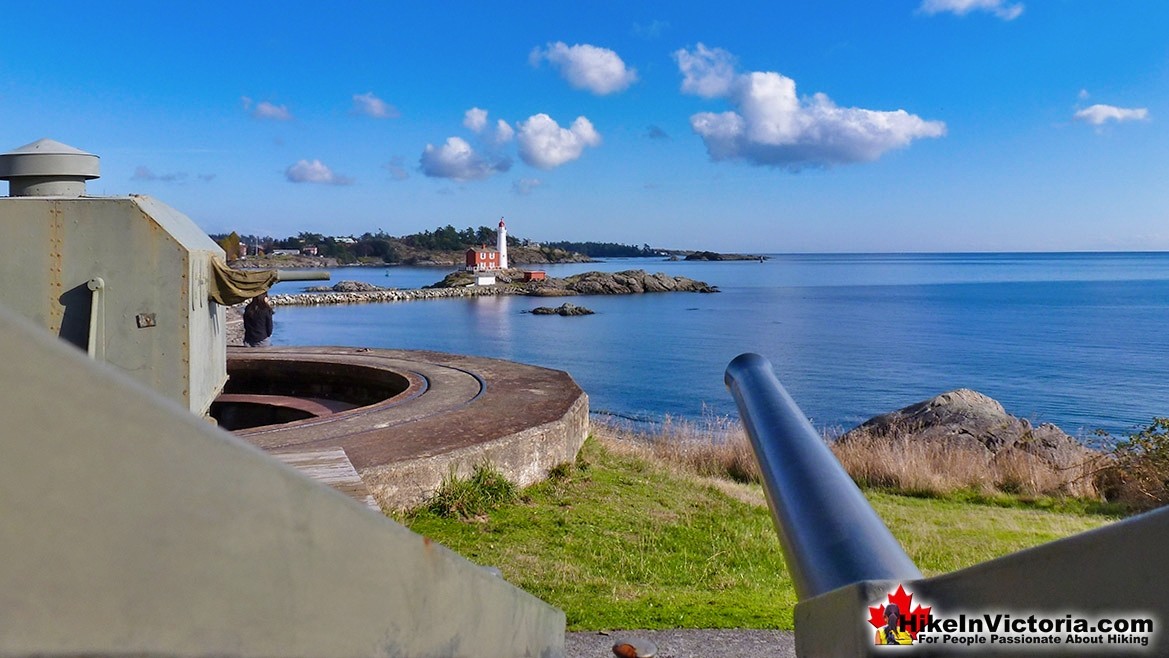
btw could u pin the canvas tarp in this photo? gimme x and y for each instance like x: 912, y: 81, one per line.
x: 230, y: 286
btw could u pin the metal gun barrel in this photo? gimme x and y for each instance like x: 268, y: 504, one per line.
x: 302, y: 275
x: 830, y: 535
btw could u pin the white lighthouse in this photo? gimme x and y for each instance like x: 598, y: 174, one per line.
x: 501, y: 245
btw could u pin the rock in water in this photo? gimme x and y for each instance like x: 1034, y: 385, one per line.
x: 564, y: 310
x: 970, y: 419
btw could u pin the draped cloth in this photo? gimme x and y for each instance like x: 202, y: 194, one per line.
x: 230, y: 287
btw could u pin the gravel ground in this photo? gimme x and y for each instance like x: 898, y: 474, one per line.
x: 235, y: 325
x: 687, y: 643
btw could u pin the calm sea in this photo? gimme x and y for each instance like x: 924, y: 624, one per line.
x: 1077, y: 339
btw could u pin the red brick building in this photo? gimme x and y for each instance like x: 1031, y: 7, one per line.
x: 482, y: 259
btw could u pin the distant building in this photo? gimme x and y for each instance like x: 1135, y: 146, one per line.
x: 286, y: 252
x: 484, y: 279
x: 309, y: 250
x: 482, y: 259
x: 535, y: 276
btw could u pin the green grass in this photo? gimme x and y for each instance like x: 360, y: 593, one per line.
x: 1064, y: 504
x: 485, y: 490
x: 941, y: 536
x: 617, y: 541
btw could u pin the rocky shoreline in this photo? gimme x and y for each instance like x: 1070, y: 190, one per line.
x: 629, y: 282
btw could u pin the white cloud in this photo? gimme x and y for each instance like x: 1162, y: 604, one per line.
x: 1000, y: 8
x: 475, y: 119
x: 706, y: 72
x: 315, y: 171
x: 503, y: 132
x: 772, y: 126
x: 1099, y: 114
x: 525, y: 186
x: 457, y: 160
x: 266, y: 110
x: 598, y: 70
x: 372, y: 106
x: 544, y: 144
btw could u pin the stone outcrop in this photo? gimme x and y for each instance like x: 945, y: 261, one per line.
x: 346, y: 286
x: 630, y: 282
x: 714, y: 256
x: 969, y: 419
x: 564, y: 310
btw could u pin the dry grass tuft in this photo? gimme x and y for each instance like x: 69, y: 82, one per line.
x: 898, y: 463
x: 712, y: 447
x: 717, y: 447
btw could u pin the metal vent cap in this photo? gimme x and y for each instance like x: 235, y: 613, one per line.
x: 47, y: 168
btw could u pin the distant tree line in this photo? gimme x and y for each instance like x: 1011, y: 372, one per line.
x: 604, y: 249
x: 448, y: 238
x: 381, y: 247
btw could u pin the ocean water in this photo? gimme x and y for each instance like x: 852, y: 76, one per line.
x: 1076, y: 339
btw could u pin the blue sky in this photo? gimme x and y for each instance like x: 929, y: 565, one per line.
x: 917, y: 125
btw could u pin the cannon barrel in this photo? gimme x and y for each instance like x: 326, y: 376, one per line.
x: 302, y: 275
x: 830, y: 535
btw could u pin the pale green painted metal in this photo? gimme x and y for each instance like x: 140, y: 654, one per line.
x: 97, y: 319
x: 151, y: 259
x: 130, y: 527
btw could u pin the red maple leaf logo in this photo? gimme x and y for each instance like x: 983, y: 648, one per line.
x: 911, y: 622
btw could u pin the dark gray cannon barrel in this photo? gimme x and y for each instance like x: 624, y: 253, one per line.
x: 830, y: 535
x: 302, y: 275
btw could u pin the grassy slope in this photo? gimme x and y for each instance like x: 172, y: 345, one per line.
x: 625, y: 543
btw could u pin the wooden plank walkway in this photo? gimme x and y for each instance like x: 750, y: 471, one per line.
x: 330, y: 466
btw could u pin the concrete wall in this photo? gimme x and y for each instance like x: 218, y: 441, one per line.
x: 128, y: 526
x: 524, y: 458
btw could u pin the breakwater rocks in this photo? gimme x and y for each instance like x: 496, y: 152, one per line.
x: 629, y: 282
x: 372, y: 296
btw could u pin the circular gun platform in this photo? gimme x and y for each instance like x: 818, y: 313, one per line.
x: 405, y: 420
